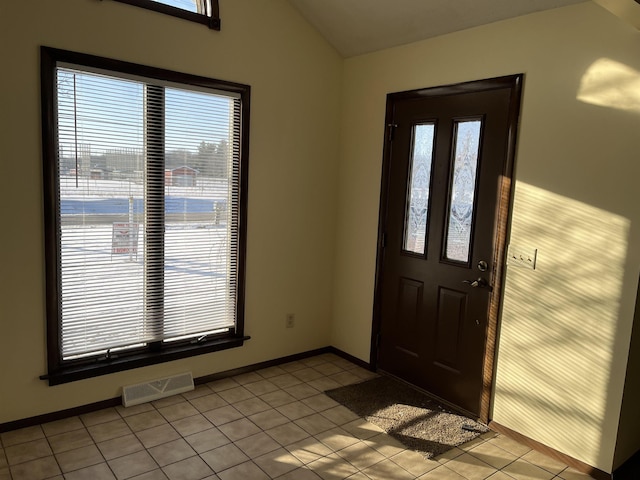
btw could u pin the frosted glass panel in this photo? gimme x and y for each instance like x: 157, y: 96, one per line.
x: 418, y: 196
x: 463, y: 189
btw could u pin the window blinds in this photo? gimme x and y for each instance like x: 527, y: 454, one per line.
x: 148, y: 211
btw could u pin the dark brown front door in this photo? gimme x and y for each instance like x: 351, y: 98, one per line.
x: 447, y: 158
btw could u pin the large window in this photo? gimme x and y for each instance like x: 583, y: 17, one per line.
x: 145, y: 213
x: 206, y: 12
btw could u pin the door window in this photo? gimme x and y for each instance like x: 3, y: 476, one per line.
x: 463, y: 189
x: 415, y: 233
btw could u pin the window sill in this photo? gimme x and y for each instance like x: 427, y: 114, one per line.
x: 105, y: 367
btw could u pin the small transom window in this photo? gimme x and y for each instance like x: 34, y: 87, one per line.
x: 200, y: 11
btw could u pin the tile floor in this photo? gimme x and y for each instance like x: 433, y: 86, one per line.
x: 272, y: 423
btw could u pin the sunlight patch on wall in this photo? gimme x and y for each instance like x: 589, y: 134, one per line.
x: 559, y: 322
x: 608, y: 83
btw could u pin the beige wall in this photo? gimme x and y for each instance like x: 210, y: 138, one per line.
x: 313, y: 198
x: 296, y: 83
x: 628, y: 10
x: 565, y: 326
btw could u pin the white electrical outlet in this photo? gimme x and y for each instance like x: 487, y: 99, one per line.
x: 290, y: 320
x: 524, y: 257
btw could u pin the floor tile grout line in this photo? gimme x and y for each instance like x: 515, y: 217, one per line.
x: 499, y: 469
x: 52, y: 453
x: 554, y: 475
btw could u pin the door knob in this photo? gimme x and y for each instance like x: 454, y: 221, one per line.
x: 479, y: 283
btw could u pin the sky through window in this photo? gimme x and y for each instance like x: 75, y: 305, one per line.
x: 188, y: 5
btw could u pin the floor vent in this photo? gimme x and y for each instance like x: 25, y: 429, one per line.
x: 155, y: 389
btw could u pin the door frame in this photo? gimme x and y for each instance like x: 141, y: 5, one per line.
x: 501, y: 228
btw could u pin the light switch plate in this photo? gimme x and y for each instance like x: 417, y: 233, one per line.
x: 522, y: 256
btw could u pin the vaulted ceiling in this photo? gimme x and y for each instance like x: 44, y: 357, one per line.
x: 355, y: 27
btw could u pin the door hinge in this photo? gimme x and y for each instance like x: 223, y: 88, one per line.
x: 384, y: 240
x: 391, y: 128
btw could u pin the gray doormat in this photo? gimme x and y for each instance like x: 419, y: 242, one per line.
x: 410, y: 416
